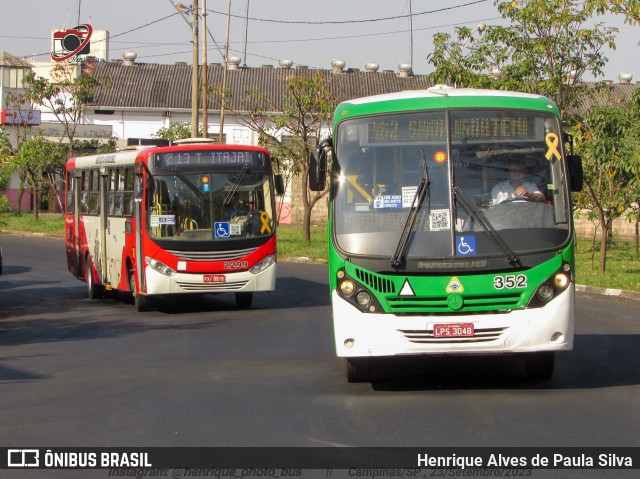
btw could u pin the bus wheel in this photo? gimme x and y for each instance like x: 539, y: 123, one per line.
x: 140, y: 301
x: 94, y: 290
x: 358, y: 370
x: 244, y: 300
x: 539, y: 366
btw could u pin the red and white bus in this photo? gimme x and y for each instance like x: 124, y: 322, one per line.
x: 195, y: 217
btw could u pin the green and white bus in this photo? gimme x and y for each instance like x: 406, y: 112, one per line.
x: 450, y: 227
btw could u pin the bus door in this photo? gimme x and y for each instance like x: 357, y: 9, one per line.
x: 72, y: 223
x: 119, y: 186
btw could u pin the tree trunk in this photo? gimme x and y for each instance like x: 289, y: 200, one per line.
x: 635, y: 233
x: 306, y: 222
x: 36, y: 201
x: 20, y: 195
x: 604, y: 237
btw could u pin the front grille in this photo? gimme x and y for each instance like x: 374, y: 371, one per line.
x: 378, y: 283
x: 426, y: 336
x: 212, y: 287
x: 439, y: 304
x: 212, y: 255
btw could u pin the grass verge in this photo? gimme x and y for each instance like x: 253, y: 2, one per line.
x: 50, y: 224
x: 623, y: 267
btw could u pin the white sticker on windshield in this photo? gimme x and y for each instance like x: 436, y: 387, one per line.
x: 439, y: 220
x: 160, y: 220
x: 408, y: 193
x: 387, y: 201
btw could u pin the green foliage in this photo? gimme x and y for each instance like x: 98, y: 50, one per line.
x: 175, y: 131
x: 607, y: 140
x: 292, y: 134
x: 291, y: 243
x: 65, y: 95
x: 40, y: 165
x: 50, y: 224
x: 547, y: 48
x: 623, y: 266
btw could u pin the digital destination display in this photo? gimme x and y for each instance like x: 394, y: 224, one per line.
x: 202, y: 158
x: 433, y: 129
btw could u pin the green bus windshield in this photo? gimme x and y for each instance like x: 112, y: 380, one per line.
x: 488, y: 171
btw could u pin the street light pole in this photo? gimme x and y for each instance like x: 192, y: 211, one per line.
x: 205, y: 76
x: 224, y: 75
x: 195, y: 84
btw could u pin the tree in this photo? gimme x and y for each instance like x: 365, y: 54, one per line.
x: 35, y: 160
x: 607, y: 140
x: 548, y: 48
x: 65, y: 96
x: 5, y: 172
x: 292, y: 129
x: 175, y: 131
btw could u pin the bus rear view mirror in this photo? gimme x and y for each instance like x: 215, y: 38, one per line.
x: 318, y: 166
x: 576, y: 174
x: 279, y: 184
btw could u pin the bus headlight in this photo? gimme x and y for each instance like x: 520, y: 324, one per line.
x: 545, y: 292
x: 264, y: 264
x: 347, y: 287
x: 553, y: 286
x: 363, y: 298
x: 159, y: 266
x: 561, y: 280
x: 356, y: 293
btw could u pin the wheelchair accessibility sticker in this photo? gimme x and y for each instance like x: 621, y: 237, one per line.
x: 222, y: 229
x: 465, y: 245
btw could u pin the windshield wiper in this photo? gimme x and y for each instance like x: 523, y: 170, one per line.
x: 235, y: 185
x: 421, y: 193
x: 187, y: 182
x: 478, y: 216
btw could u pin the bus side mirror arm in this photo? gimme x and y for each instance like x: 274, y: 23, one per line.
x: 576, y: 173
x: 318, y: 166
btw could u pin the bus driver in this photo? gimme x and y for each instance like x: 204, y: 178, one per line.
x: 516, y: 187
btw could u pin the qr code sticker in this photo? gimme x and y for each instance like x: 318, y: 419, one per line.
x: 439, y: 220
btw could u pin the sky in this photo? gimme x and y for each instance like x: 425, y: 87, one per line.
x: 310, y: 33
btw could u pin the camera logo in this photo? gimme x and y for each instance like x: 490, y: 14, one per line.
x: 71, y: 42
x: 23, y: 458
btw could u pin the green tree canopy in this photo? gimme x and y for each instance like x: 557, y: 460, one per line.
x: 547, y: 49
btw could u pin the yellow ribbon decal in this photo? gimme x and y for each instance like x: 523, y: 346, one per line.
x: 552, y: 143
x: 264, y: 219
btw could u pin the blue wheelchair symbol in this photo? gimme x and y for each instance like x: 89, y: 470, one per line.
x: 466, y: 245
x: 221, y: 229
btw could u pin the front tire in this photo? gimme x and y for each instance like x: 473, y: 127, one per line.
x: 140, y: 301
x: 539, y: 366
x: 244, y: 300
x: 94, y: 291
x: 358, y: 370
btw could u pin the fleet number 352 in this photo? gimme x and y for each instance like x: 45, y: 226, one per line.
x: 510, y: 281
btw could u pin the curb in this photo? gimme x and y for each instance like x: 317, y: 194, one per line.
x: 608, y: 292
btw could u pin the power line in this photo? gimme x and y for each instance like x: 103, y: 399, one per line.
x: 111, y: 37
x: 393, y: 32
x: 340, y: 22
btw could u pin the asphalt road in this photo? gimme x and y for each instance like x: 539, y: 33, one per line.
x: 76, y: 372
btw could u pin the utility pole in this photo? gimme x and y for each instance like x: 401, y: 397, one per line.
x: 195, y: 84
x: 224, y: 75
x: 205, y: 76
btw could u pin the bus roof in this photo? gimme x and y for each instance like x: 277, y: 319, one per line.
x: 128, y: 156
x: 442, y: 96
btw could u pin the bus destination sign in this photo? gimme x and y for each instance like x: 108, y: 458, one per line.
x: 202, y: 158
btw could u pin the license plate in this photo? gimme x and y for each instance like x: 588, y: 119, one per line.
x: 456, y: 330
x: 214, y: 278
